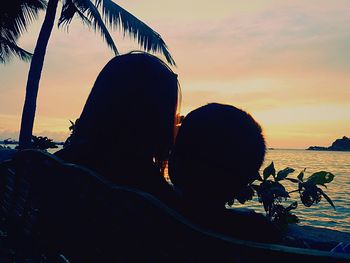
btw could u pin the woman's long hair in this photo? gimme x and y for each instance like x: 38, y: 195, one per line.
x: 132, y: 109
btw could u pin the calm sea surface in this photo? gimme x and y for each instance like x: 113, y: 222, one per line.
x: 322, y: 214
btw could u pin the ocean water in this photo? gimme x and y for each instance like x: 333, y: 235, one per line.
x: 321, y: 214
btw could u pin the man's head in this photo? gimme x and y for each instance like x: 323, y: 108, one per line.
x: 218, y: 151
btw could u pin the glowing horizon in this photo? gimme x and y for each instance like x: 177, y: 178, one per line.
x: 285, y: 63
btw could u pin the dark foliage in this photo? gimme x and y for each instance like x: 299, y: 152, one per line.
x: 14, y: 20
x: 72, y: 131
x: 271, y: 193
x: 42, y: 143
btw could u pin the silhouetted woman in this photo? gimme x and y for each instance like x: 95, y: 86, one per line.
x: 127, y: 126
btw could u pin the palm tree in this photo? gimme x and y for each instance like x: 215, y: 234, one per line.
x: 96, y: 14
x: 14, y: 20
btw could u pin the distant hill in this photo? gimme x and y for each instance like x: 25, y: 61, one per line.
x: 342, y: 144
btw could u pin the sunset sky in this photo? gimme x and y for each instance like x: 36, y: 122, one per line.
x: 286, y: 62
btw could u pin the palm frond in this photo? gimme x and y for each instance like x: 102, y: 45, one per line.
x: 14, y: 20
x: 19, y: 14
x: 9, y: 48
x: 67, y: 13
x: 89, y: 12
x: 117, y: 17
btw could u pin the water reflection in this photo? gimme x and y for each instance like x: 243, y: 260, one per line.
x: 321, y: 214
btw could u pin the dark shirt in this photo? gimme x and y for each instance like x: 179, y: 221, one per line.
x: 133, y: 172
x: 240, y: 224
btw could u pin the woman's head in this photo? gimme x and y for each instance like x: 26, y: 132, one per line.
x: 218, y: 151
x: 132, y: 107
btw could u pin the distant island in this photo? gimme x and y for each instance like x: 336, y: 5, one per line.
x: 8, y: 141
x: 342, y: 144
x: 5, y: 143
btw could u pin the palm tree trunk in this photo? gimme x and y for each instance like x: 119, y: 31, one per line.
x: 34, y: 75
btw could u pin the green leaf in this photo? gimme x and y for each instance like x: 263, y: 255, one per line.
x: 72, y: 126
x: 284, y: 173
x: 259, y: 178
x: 321, y: 178
x: 9, y: 48
x: 292, y: 206
x: 292, y: 219
x: 69, y: 10
x: 278, y: 190
x: 301, y: 175
x: 255, y: 187
x: 268, y: 171
x: 96, y: 21
x: 327, y: 198
x: 244, y: 195
x: 118, y: 18
x: 15, y: 17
